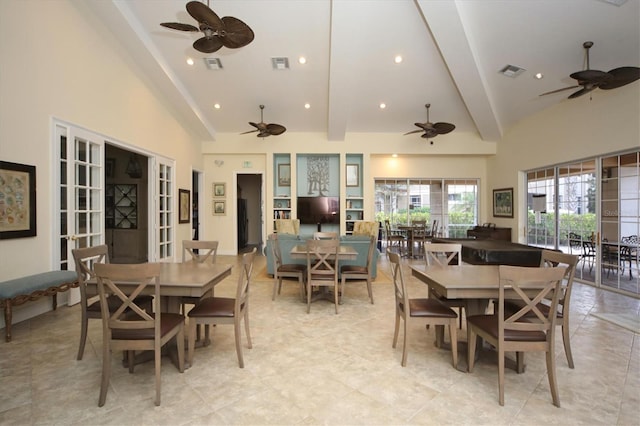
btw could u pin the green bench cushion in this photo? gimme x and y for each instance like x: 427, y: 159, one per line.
x: 26, y: 285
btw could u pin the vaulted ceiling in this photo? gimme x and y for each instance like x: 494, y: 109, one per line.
x: 452, y: 52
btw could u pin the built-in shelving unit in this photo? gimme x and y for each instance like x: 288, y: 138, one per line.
x: 354, y: 202
x: 281, y: 187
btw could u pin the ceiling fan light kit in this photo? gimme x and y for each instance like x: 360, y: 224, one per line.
x: 431, y: 130
x: 227, y: 31
x: 589, y: 80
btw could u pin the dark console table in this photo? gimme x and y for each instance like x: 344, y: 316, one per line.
x: 495, y: 252
x: 489, y: 232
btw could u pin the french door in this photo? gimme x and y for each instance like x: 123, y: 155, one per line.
x: 80, y: 185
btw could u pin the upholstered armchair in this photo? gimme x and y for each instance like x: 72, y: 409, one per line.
x: 288, y: 226
x: 366, y: 228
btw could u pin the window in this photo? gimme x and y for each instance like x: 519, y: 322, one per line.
x: 452, y: 202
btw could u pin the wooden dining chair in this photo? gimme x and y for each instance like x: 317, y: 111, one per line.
x: 198, y: 251
x: 131, y: 328
x: 285, y: 270
x: 322, y: 267
x: 84, y: 259
x: 358, y: 272
x: 393, y: 239
x: 550, y: 258
x: 521, y: 332
x: 226, y: 310
x: 432, y: 311
x: 445, y: 254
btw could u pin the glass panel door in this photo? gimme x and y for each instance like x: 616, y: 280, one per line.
x: 79, y: 209
x: 620, y: 223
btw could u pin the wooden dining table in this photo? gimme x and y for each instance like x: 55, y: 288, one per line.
x: 345, y: 252
x: 177, y: 280
x: 181, y: 279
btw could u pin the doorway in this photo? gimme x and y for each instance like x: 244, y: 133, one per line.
x: 249, y: 194
x: 126, y: 206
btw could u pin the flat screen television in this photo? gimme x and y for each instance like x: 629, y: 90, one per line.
x: 314, y: 210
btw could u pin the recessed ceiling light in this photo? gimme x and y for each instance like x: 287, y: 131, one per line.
x: 190, y: 61
x: 216, y: 106
x: 383, y: 105
x: 394, y: 155
x: 302, y: 60
x: 398, y: 59
x: 539, y: 76
x: 307, y: 106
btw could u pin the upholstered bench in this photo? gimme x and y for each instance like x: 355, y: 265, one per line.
x: 21, y: 290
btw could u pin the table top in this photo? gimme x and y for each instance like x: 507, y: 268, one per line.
x: 460, y: 281
x: 186, y: 279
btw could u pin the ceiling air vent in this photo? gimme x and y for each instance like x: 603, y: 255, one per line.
x: 213, y: 63
x: 511, y: 71
x: 280, y: 63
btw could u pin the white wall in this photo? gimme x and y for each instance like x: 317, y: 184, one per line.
x: 58, y: 63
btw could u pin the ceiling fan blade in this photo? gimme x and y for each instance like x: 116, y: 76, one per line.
x: 179, y: 26
x: 591, y: 76
x: 424, y: 126
x: 582, y: 91
x: 621, y: 77
x: 413, y: 131
x: 558, y: 90
x: 204, y: 15
x: 250, y: 131
x: 429, y: 133
x: 207, y: 45
x: 263, y: 134
x: 235, y: 33
x: 276, y: 129
x: 443, y: 128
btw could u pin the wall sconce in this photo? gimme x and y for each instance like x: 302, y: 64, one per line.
x: 133, y: 168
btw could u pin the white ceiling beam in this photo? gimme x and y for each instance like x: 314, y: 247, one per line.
x: 453, y: 41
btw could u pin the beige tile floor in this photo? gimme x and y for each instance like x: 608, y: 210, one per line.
x: 322, y: 368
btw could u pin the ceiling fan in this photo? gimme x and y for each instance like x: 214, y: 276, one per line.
x: 589, y: 79
x: 264, y: 130
x: 229, y: 32
x: 431, y: 130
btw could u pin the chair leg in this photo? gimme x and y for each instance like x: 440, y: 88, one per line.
x: 395, y: 333
x: 246, y: 328
x: 302, y: 288
x: 453, y: 335
x: 567, y: 344
x: 500, y: 375
x: 106, y: 372
x: 471, y: 349
x: 551, y: 373
x: 342, y: 289
x: 308, y: 298
x: 192, y: 340
x: 404, y: 344
x: 275, y: 287
x: 180, y: 345
x: 236, y: 332
x: 336, y: 294
x: 157, y: 354
x: 370, y: 289
x: 83, y: 335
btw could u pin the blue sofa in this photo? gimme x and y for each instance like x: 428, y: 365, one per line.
x: 288, y: 241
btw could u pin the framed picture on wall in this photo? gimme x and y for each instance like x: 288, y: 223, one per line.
x: 219, y: 207
x: 219, y: 189
x: 17, y: 200
x: 184, y: 208
x: 503, y: 202
x: 284, y: 174
x: 353, y: 175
